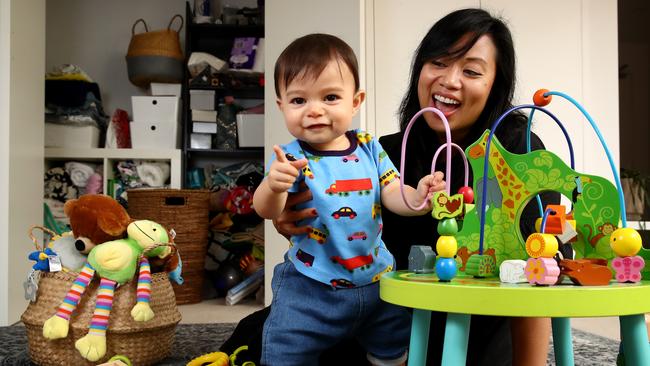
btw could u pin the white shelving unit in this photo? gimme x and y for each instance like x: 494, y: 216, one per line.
x: 107, y: 157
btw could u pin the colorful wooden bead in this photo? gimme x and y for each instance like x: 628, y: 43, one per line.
x: 445, y: 206
x: 513, y: 271
x: 542, y: 271
x: 625, y: 242
x: 447, y: 227
x: 539, y: 99
x: 480, y: 265
x: 628, y: 269
x: 445, y: 268
x: 541, y: 245
x: 446, y: 246
x: 468, y: 194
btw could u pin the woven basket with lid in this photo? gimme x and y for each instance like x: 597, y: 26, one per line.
x: 186, y: 211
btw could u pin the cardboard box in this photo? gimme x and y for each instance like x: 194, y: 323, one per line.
x: 202, y: 99
x: 250, y: 130
x: 159, y: 89
x: 200, y: 141
x: 204, y: 127
x: 59, y: 135
x: 158, y: 108
x: 154, y: 135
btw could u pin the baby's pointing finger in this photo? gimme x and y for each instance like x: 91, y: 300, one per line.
x: 279, y: 154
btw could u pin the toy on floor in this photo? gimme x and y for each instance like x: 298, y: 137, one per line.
x: 115, y: 262
x: 117, y: 360
x: 222, y: 359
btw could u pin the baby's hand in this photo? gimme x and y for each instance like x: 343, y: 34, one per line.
x: 430, y: 184
x: 283, y: 173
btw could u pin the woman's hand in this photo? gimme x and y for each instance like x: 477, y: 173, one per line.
x: 285, y: 224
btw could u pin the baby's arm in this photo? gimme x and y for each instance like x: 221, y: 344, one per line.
x: 271, y: 195
x: 391, y: 196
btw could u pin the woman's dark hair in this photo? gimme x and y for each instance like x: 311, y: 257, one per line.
x: 441, y: 39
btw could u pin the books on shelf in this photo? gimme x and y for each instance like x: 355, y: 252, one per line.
x: 246, y: 287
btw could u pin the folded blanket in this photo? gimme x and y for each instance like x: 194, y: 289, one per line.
x: 153, y: 174
x: 79, y: 172
x: 58, y: 185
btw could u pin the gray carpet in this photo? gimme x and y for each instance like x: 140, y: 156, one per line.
x: 193, y: 340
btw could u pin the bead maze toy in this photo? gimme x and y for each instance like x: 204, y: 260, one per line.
x: 596, y: 227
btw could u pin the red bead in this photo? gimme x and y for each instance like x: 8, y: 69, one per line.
x: 539, y: 99
x: 468, y: 194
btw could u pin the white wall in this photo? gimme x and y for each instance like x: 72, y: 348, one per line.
x: 5, y: 71
x: 286, y: 20
x: 22, y: 55
x: 568, y: 56
x: 95, y: 35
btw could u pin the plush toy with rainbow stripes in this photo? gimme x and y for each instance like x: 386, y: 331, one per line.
x: 115, y: 262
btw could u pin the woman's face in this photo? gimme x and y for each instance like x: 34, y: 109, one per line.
x: 459, y: 87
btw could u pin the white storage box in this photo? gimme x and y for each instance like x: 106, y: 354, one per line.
x: 204, y: 127
x: 160, y: 109
x: 58, y: 135
x: 151, y: 135
x: 202, y: 99
x: 250, y: 130
x: 200, y: 140
x: 159, y: 89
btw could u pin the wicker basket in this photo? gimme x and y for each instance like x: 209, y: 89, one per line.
x: 155, y: 56
x: 187, y: 213
x: 144, y: 343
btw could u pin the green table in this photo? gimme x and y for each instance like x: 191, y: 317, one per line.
x: 465, y: 295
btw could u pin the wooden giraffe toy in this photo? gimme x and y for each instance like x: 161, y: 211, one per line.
x: 514, y: 179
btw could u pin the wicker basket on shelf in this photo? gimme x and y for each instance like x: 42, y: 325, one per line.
x: 187, y: 213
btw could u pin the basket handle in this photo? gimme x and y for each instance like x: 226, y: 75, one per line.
x: 172, y: 20
x: 157, y: 245
x: 34, y: 239
x: 146, y: 29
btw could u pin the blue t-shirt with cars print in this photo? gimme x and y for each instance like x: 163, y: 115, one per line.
x: 344, y: 247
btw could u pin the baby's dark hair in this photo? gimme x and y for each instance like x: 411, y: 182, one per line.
x: 307, y: 57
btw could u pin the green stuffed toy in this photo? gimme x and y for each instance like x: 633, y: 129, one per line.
x: 115, y: 262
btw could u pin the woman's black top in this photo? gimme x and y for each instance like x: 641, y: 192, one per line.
x: 490, y: 340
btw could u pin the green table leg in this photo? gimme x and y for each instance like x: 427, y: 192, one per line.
x: 635, y: 340
x: 562, y: 342
x: 456, y: 337
x: 419, y: 337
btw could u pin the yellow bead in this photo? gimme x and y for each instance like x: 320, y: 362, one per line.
x: 541, y: 245
x: 625, y: 242
x: 446, y: 246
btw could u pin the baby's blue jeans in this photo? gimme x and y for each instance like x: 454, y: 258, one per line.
x: 308, y: 317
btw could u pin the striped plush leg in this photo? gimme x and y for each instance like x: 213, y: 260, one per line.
x: 142, y: 311
x: 103, y: 306
x: 76, y: 291
x: 92, y: 346
x: 57, y: 326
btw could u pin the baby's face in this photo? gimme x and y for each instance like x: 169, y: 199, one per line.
x: 320, y: 111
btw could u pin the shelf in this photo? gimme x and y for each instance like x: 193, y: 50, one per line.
x: 240, y: 153
x: 106, y: 155
x: 228, y: 30
x: 253, y: 92
x: 101, y: 153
